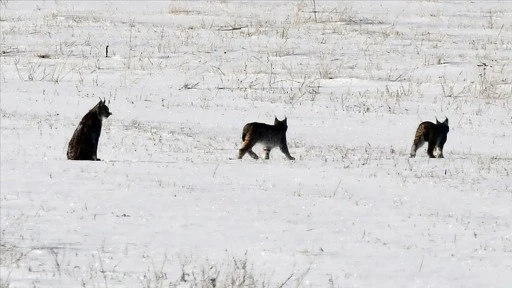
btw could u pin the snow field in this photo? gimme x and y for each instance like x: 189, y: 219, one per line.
x: 168, y: 208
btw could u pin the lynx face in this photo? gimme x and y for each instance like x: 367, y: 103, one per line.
x: 84, y: 142
x: 269, y: 136
x: 103, y: 110
x: 436, y: 136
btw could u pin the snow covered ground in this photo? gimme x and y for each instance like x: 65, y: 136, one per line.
x: 168, y: 207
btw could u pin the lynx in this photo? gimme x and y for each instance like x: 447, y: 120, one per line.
x: 269, y: 136
x: 84, y: 143
x: 434, y: 134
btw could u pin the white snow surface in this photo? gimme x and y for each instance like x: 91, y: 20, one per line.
x: 170, y: 206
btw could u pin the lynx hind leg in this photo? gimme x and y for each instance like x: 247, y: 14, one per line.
x: 249, y: 151
x: 418, y: 142
x: 247, y: 148
x: 252, y: 154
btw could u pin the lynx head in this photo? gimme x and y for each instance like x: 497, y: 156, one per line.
x: 102, y: 109
x: 443, y: 125
x: 281, y: 124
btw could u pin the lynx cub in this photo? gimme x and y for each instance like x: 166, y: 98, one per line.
x: 434, y: 134
x: 269, y: 136
x: 84, y: 143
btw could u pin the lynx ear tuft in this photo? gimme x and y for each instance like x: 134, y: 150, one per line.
x: 437, y: 121
x: 445, y: 120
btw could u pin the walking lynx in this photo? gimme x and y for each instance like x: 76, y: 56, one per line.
x: 269, y: 136
x: 84, y: 143
x: 434, y: 134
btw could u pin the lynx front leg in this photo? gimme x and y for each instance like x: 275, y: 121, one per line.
x: 267, y: 152
x: 440, y: 155
x: 95, y: 139
x: 430, y: 149
x: 440, y: 151
x: 284, y: 149
x: 440, y: 147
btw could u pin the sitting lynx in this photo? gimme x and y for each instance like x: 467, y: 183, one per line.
x: 84, y: 143
x: 434, y: 134
x: 268, y: 135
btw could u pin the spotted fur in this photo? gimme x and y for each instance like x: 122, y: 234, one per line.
x: 269, y: 136
x: 84, y: 143
x: 434, y: 134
